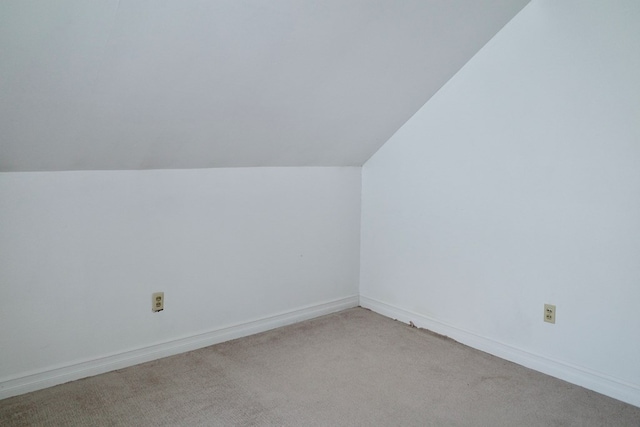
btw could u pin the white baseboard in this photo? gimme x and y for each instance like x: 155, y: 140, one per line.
x: 50, y: 377
x: 601, y: 383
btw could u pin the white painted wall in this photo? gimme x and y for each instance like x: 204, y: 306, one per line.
x: 518, y: 184
x: 195, y: 84
x: 81, y: 253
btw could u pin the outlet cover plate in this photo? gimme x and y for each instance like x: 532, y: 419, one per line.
x: 157, y: 301
x: 550, y: 313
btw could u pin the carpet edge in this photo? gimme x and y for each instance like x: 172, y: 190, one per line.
x: 595, y: 381
x: 59, y: 375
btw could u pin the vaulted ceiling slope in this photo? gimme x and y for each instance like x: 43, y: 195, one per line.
x: 145, y: 84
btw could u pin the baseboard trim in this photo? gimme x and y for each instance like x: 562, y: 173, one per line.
x: 601, y: 383
x: 59, y: 375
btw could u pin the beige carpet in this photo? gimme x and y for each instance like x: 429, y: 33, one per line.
x: 353, y: 368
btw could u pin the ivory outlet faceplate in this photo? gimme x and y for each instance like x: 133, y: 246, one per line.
x: 550, y: 313
x: 157, y: 301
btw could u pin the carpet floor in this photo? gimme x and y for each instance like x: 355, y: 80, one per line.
x: 352, y: 368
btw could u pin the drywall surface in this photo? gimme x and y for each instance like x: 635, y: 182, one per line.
x: 81, y: 253
x: 518, y: 184
x: 194, y: 84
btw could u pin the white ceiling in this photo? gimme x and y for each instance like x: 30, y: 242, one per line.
x: 141, y: 84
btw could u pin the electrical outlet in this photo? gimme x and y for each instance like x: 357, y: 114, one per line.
x: 157, y: 301
x: 550, y: 313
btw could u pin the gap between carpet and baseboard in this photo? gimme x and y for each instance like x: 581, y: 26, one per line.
x: 59, y: 375
x: 583, y: 377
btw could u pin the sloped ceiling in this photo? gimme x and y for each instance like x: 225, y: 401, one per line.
x: 142, y: 84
